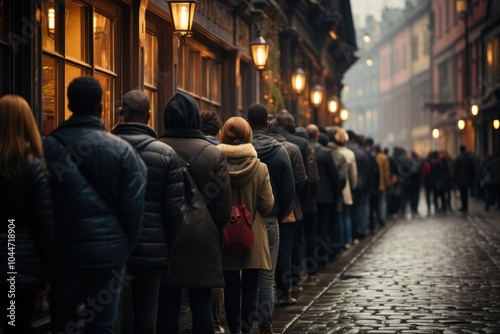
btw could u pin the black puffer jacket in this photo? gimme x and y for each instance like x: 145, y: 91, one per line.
x: 26, y: 199
x: 99, y: 204
x: 328, y: 186
x: 195, y: 262
x: 275, y: 156
x: 164, y: 194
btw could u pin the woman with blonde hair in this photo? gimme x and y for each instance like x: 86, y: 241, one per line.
x: 250, y: 185
x: 26, y: 214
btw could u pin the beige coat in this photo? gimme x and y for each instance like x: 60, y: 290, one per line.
x: 383, y: 168
x: 251, y: 177
x: 352, y: 180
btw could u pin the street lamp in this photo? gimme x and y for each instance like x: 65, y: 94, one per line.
x: 316, y: 99
x: 474, y: 108
x: 496, y: 124
x: 182, y: 17
x: 369, y: 62
x: 298, y: 80
x: 344, y: 115
x: 333, y: 104
x: 435, y: 133
x: 461, y: 124
x: 51, y: 15
x: 366, y: 38
x: 260, y: 52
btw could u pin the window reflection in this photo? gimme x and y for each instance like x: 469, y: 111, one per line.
x: 103, y: 42
x: 50, y: 40
x: 108, y: 107
x: 49, y: 95
x: 151, y: 75
x: 75, y: 31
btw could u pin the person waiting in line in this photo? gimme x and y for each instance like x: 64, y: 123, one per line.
x: 250, y: 184
x: 26, y: 210
x: 98, y: 183
x: 211, y: 128
x: 163, y: 201
x: 276, y: 158
x: 195, y: 262
x: 463, y: 176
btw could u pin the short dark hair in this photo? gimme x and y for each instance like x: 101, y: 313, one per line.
x: 257, y: 115
x: 84, y: 95
x: 210, y: 123
x: 462, y: 149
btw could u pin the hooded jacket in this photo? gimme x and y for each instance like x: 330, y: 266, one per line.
x: 250, y: 178
x: 276, y: 158
x: 98, y: 183
x: 199, y: 264
x: 164, y: 194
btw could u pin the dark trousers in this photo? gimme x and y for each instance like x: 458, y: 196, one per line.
x: 298, y: 248
x: 489, y: 195
x: 240, y: 299
x: 283, y: 274
x: 414, y: 198
x: 100, y: 290
x: 439, y: 194
x: 428, y: 192
x: 140, y: 300
x: 464, y: 197
x: 310, y: 235
x: 25, y: 299
x: 169, y: 305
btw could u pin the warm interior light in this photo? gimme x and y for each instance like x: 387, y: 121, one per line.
x: 344, y: 114
x: 496, y: 124
x: 474, y: 109
x: 461, y: 6
x: 52, y: 19
x: 333, y: 35
x: 461, y: 124
x: 435, y: 133
x: 183, y: 18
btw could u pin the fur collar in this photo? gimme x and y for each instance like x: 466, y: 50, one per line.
x: 238, y: 151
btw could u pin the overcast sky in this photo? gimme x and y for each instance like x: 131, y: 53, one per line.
x: 362, y: 8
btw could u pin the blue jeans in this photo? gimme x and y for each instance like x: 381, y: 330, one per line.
x: 345, y: 227
x: 266, y: 277
x: 100, y: 290
x: 284, y: 264
x: 382, y: 205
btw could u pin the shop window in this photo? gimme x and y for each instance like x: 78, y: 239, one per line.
x: 151, y: 75
x: 83, y: 28
x: 493, y: 60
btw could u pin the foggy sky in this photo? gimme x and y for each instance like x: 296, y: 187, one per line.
x: 361, y: 8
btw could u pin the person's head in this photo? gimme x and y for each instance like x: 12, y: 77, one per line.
x: 351, y: 134
x: 323, y: 139
x: 330, y: 132
x: 84, y: 96
x: 286, y: 121
x: 210, y: 124
x: 301, y: 132
x: 272, y: 126
x: 181, y: 112
x: 312, y: 131
x: 257, y: 116
x: 462, y: 148
x: 20, y: 137
x: 135, y: 107
x: 236, y: 131
x: 378, y: 149
x: 360, y: 140
x: 369, y: 141
x: 341, y: 137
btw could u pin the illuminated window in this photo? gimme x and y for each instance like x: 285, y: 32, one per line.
x: 151, y: 75
x: 82, y: 30
x: 493, y: 59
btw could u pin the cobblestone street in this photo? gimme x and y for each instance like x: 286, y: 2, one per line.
x: 437, y: 274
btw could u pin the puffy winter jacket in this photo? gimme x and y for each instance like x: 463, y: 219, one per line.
x: 164, y: 194
x: 98, y: 183
x: 26, y: 201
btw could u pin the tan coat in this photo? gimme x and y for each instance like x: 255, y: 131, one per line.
x: 251, y: 177
x: 383, y: 168
x: 352, y: 180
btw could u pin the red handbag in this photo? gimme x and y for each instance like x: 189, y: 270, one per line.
x: 238, y: 233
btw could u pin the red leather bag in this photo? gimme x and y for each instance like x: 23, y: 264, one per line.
x: 238, y: 233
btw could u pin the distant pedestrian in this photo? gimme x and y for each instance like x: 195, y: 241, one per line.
x: 383, y: 185
x: 195, y: 262
x: 27, y: 232
x: 487, y: 182
x: 98, y: 182
x: 464, y: 176
x: 250, y: 184
x: 164, y: 199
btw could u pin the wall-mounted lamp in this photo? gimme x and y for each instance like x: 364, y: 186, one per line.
x: 461, y: 124
x: 51, y: 18
x: 474, y: 108
x: 260, y: 52
x: 182, y: 17
x: 366, y: 38
x: 298, y: 80
x: 461, y: 6
x: 496, y: 124
x: 369, y: 62
x: 316, y: 95
x: 333, y: 34
x: 435, y: 133
x: 344, y: 114
x: 333, y: 104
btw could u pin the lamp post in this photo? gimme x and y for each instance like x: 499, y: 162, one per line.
x: 316, y: 99
x: 182, y: 12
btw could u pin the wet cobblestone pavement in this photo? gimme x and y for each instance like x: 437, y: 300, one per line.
x: 437, y: 274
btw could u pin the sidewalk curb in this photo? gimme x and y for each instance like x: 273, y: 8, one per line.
x: 366, y: 244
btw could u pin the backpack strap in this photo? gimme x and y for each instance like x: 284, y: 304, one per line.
x: 197, y: 154
x: 142, y: 146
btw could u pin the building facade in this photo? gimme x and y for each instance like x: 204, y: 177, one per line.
x: 129, y: 44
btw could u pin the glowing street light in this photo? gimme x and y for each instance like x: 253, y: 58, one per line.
x: 461, y: 124
x: 182, y: 17
x: 298, y: 80
x: 435, y: 133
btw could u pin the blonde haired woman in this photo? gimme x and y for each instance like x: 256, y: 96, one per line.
x: 250, y: 183
x: 26, y: 212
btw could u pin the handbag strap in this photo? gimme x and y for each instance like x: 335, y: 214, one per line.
x: 197, y: 154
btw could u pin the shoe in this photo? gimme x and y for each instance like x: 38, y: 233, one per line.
x: 347, y: 246
x: 219, y: 329
x: 286, y: 301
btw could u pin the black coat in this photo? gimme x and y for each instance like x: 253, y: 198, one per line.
x: 164, y: 194
x: 328, y: 186
x: 275, y: 156
x: 464, y: 170
x: 26, y: 199
x: 196, y: 262
x: 98, y: 194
